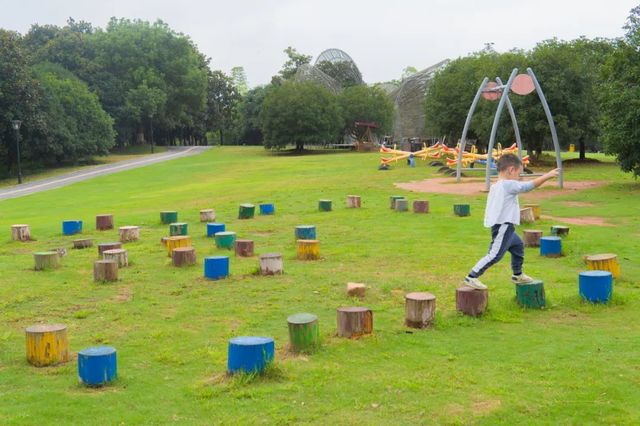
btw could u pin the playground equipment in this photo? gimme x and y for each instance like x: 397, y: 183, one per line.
x: 520, y: 84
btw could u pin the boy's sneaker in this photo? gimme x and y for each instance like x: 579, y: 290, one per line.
x: 521, y: 279
x: 474, y: 283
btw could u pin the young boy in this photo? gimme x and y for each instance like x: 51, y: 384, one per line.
x: 501, y: 215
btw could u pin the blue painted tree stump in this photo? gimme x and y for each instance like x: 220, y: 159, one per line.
x: 178, y: 228
x: 596, y: 286
x: 226, y: 239
x: 97, y: 366
x: 324, y: 205
x: 216, y: 267
x: 462, y: 210
x: 267, y: 209
x: 213, y: 228
x: 249, y: 354
x: 70, y: 227
x: 531, y: 295
x: 551, y: 246
x: 305, y: 232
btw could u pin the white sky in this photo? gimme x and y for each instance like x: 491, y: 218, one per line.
x: 383, y: 37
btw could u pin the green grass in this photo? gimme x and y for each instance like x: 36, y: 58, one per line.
x: 572, y: 363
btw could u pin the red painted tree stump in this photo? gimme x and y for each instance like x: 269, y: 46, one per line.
x: 420, y: 309
x: 271, y: 264
x: 105, y: 270
x: 356, y: 289
x: 244, y: 248
x: 82, y: 243
x: 182, y: 256
x: 20, y: 233
x: 471, y: 301
x: 421, y: 206
x: 354, y: 322
x: 129, y: 233
x: 353, y: 201
x: 102, y: 247
x: 104, y: 222
x: 532, y: 237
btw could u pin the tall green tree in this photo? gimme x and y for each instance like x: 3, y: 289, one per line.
x: 299, y: 114
x: 249, y: 110
x: 368, y: 104
x: 239, y: 78
x: 294, y: 61
x: 222, y: 103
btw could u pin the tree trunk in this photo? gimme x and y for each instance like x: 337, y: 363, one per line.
x: 581, y: 143
x: 221, y: 136
x: 299, y: 146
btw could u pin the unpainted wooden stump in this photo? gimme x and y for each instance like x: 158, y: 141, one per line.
x: 356, y: 289
x: 105, y: 270
x: 353, y: 201
x: 420, y: 309
x: 354, y: 322
x: 119, y: 255
x: 104, y: 222
x: 129, y: 233
x: 20, y: 233
x: 102, y: 247
x: 46, y: 260
x: 526, y: 215
x: 532, y: 237
x: 184, y: 256
x: 82, y: 243
x: 537, y: 210
x: 271, y: 264
x: 471, y: 301
x: 207, y: 215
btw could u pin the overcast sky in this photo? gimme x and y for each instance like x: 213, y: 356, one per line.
x: 383, y: 37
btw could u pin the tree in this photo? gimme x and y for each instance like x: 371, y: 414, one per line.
x: 222, y: 103
x: 290, y: 67
x: 363, y: 103
x: 299, y: 114
x: 249, y: 110
x: 239, y: 79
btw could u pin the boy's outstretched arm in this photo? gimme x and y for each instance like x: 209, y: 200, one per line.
x: 545, y: 177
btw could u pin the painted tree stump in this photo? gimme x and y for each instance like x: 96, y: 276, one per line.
x: 526, y: 215
x: 421, y: 206
x: 47, y: 344
x: 531, y: 295
x: 168, y: 216
x: 105, y: 270
x: 20, y: 233
x: 402, y: 205
x: 595, y: 286
x: 393, y: 199
x: 178, y: 228
x: 420, y: 309
x: 304, y: 333
x: 305, y: 232
x: 267, y: 209
x: 82, y: 243
x: 216, y: 267
x: 462, y: 210
x: 532, y: 237
x: 46, y: 260
x: 244, y: 248
x: 177, y: 241
x: 603, y: 262
x: 560, y: 230
x: 214, y: 228
x: 551, y: 246
x: 225, y: 240
x: 104, y: 222
x: 353, y: 201
x: 183, y: 256
x: 71, y: 227
x: 324, y: 205
x: 246, y: 211
x: 207, y: 215
x: 102, y: 247
x: 163, y: 241
x: 250, y: 354
x: 119, y: 255
x: 537, y: 211
x: 129, y: 233
x: 308, y: 249
x: 271, y: 264
x: 471, y: 301
x: 356, y: 289
x: 97, y: 366
x: 354, y: 322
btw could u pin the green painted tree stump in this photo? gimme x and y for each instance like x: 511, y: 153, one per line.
x: 324, y: 205
x: 167, y: 217
x: 531, y: 295
x: 304, y: 335
x: 559, y: 230
x: 462, y: 210
x: 393, y: 199
x: 178, y: 228
x: 246, y: 211
x: 225, y: 240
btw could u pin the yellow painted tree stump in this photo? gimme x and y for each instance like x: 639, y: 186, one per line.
x: 47, y: 344
x: 308, y: 249
x: 20, y: 233
x: 604, y: 262
x: 177, y: 241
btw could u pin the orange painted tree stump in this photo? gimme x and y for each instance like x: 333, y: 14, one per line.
x: 354, y: 322
x: 471, y: 301
x: 47, y: 344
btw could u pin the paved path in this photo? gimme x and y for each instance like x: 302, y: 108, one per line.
x: 107, y: 169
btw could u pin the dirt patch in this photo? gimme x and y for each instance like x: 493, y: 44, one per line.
x: 486, y: 406
x: 124, y: 294
x: 578, y: 204
x: 584, y: 220
x: 477, y: 187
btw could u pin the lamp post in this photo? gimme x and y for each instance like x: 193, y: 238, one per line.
x: 16, y: 127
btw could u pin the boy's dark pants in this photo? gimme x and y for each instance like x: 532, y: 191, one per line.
x: 503, y: 239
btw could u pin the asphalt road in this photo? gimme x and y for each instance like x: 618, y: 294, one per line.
x: 107, y: 169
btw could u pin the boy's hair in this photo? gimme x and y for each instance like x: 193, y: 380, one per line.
x: 506, y: 161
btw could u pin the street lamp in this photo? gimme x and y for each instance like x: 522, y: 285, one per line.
x: 16, y: 127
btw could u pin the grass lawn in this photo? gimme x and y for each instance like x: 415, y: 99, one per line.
x: 572, y: 363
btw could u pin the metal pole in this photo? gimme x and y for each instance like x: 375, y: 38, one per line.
x: 494, y: 128
x: 552, y: 126
x: 467, y: 123
x: 514, y: 121
x: 18, y: 155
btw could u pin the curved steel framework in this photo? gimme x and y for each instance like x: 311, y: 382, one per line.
x: 336, y: 56
x: 504, y: 89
